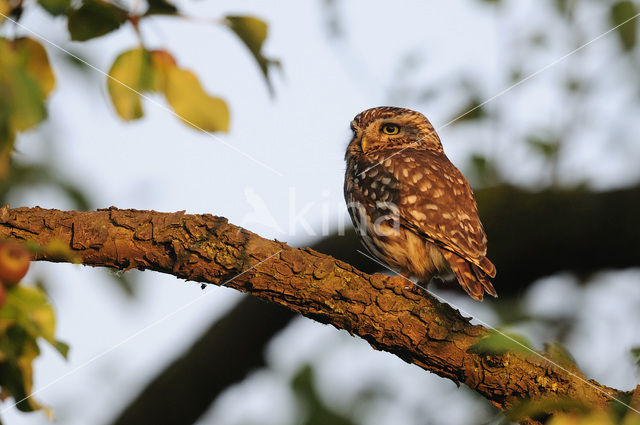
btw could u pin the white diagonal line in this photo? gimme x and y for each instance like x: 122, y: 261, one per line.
x: 144, y: 96
x: 486, y: 325
x: 132, y: 336
x: 508, y: 89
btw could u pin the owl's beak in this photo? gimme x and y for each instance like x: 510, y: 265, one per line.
x: 364, y: 145
x: 357, y: 134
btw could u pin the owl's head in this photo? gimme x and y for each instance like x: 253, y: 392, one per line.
x: 388, y: 127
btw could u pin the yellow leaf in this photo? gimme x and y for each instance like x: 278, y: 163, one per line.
x: 25, y: 81
x: 5, y: 8
x: 161, y: 62
x: 190, y: 102
x: 130, y: 74
x: 36, y: 63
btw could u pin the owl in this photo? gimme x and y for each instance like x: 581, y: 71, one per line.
x: 412, y: 208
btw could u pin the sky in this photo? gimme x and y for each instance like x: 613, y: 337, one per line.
x: 279, y: 173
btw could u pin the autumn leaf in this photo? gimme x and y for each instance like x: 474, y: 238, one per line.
x: 130, y: 75
x: 192, y: 104
x: 26, y: 79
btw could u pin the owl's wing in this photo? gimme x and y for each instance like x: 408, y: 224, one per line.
x: 438, y: 203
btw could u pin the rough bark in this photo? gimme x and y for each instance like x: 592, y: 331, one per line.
x: 386, y: 311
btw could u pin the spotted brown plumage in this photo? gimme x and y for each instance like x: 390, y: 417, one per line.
x: 411, y: 206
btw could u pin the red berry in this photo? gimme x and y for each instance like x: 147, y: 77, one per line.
x: 14, y: 262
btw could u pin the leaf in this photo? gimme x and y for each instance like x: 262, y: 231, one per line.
x: 548, y: 147
x: 30, y: 309
x: 95, y: 18
x: 130, y: 75
x: 564, y: 6
x: 55, y: 7
x: 253, y: 32
x: 595, y: 417
x: 635, y: 352
x: 502, y: 343
x: 36, y: 62
x: 620, y: 12
x: 160, y: 7
x: 16, y: 373
x: 161, y: 62
x: 19, y: 350
x: 26, y: 79
x: 543, y: 406
x: 484, y: 171
x: 138, y: 70
x: 190, y: 102
x: 561, y: 356
x: 473, y: 110
x: 5, y: 9
x: 62, y: 348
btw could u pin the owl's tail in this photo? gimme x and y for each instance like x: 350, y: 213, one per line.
x: 473, y: 279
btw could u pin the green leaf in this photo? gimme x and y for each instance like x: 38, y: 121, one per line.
x: 253, y: 32
x: 34, y: 58
x: 635, y: 352
x: 564, y: 6
x: 483, y: 171
x: 561, y: 356
x: 548, y: 147
x: 16, y: 373
x: 55, y: 7
x: 26, y: 79
x: 30, y: 309
x: 62, y: 348
x: 473, y: 110
x: 502, y: 343
x: 620, y: 12
x: 95, y: 18
x: 161, y: 7
x: 544, y: 406
x: 192, y: 104
x: 130, y: 75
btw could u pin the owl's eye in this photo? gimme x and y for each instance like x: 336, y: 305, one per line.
x: 390, y: 129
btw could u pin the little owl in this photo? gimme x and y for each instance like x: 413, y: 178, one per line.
x: 411, y: 206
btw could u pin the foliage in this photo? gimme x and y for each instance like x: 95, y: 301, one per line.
x: 499, y: 342
x: 26, y: 78
x: 26, y: 81
x: 26, y: 316
x: 622, y: 16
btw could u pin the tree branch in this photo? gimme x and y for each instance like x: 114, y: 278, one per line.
x: 387, y: 312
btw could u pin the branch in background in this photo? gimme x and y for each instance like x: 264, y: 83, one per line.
x: 222, y: 356
x: 503, y: 208
x: 387, y: 312
x: 533, y: 235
